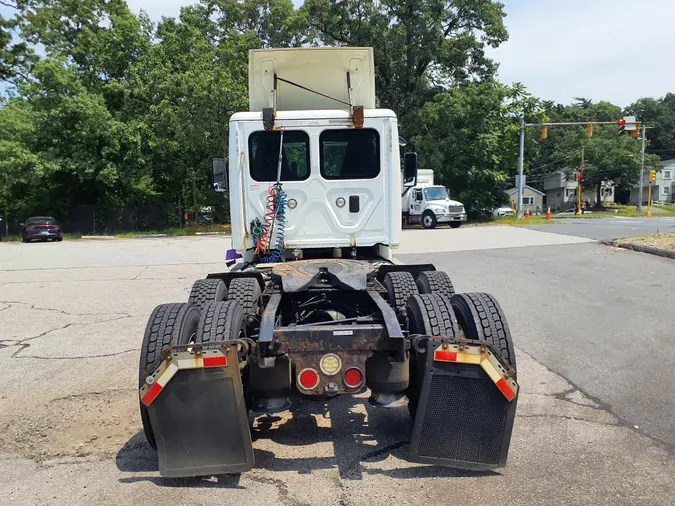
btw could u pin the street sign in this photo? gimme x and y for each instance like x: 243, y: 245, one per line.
x: 629, y: 124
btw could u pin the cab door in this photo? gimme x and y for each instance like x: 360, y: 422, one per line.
x: 417, y: 201
x: 335, y: 180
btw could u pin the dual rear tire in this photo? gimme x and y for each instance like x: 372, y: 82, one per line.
x: 401, y: 286
x: 468, y: 315
x: 206, y: 318
x: 169, y: 325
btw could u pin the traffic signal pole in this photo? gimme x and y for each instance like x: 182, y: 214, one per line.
x: 523, y: 125
x: 520, y: 168
x: 579, y: 184
x: 642, y: 166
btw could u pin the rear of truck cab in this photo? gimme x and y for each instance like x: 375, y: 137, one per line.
x: 330, y: 208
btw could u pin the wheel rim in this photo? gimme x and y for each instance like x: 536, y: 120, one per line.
x: 427, y: 220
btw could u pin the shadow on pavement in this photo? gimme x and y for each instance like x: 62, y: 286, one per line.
x: 136, y: 456
x: 356, y: 439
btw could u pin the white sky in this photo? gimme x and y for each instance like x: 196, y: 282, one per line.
x: 616, y: 50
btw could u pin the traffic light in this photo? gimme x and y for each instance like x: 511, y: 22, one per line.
x: 622, y: 125
x: 589, y: 130
x: 544, y: 133
x: 652, y: 176
x: 580, y: 176
x: 636, y: 133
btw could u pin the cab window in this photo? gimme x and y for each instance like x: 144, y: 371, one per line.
x: 350, y: 153
x: 264, y: 156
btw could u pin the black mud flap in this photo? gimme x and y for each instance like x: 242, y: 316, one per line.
x: 200, y: 421
x: 462, y: 419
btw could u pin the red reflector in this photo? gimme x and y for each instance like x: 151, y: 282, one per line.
x: 151, y: 394
x: 215, y: 361
x: 353, y: 377
x: 308, y: 379
x: 505, y: 388
x: 445, y: 356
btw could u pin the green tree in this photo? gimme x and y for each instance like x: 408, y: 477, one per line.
x: 469, y: 136
x: 15, y: 55
x: 609, y: 155
x: 659, y: 114
x: 420, y: 48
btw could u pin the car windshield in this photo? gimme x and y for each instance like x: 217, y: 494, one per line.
x: 436, y: 193
x: 42, y: 220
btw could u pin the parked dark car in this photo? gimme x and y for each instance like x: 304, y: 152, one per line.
x: 41, y: 228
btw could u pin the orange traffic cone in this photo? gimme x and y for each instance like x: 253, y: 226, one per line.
x: 527, y: 212
x: 548, y: 213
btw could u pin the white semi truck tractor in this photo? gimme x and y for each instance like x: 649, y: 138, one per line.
x: 314, y: 305
x: 430, y: 204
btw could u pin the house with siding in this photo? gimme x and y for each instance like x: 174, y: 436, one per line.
x: 561, y: 191
x: 532, y: 198
x: 662, y: 188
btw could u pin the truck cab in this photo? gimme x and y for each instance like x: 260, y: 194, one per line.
x: 339, y: 167
x: 430, y: 204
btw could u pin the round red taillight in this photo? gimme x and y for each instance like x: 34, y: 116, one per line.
x: 308, y: 379
x: 353, y: 377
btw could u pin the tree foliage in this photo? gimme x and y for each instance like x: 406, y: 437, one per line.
x: 658, y: 113
x: 110, y: 109
x: 470, y: 135
x: 420, y: 48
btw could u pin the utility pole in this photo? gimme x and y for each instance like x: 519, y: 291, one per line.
x: 642, y: 166
x: 194, y: 196
x: 520, y: 168
x: 579, y: 184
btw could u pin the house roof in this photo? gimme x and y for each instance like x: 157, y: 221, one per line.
x: 515, y: 190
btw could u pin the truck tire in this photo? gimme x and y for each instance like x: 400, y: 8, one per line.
x: 430, y: 315
x: 221, y: 321
x: 400, y: 287
x: 455, y: 224
x: 246, y: 291
x: 169, y: 325
x: 206, y: 291
x: 428, y: 219
x: 435, y: 282
x: 481, y: 317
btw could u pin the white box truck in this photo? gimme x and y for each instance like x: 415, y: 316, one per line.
x: 430, y: 204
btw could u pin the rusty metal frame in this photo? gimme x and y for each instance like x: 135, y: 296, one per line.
x: 266, y: 334
x: 391, y: 323
x: 329, y: 338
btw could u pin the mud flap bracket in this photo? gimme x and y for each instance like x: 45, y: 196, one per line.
x: 463, y: 419
x: 199, y: 418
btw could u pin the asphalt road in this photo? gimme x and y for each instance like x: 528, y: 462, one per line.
x: 598, y: 316
x: 595, y: 422
x: 608, y: 228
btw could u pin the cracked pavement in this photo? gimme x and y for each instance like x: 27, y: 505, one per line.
x: 71, y: 319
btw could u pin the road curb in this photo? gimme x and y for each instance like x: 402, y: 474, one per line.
x: 641, y: 249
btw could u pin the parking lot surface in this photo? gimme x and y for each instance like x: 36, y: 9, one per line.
x: 72, y: 315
